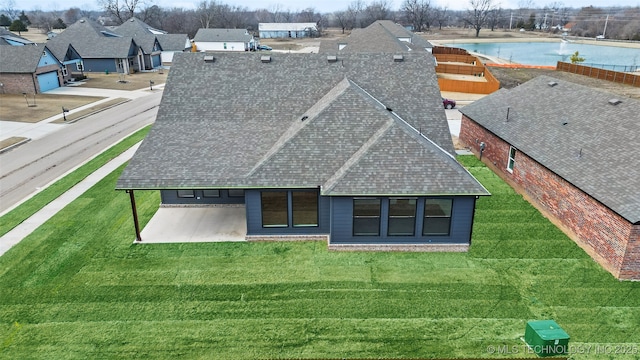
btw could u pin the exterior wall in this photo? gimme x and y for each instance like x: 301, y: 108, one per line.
x: 170, y: 197
x: 18, y: 83
x: 607, y: 237
x: 460, y: 233
x: 283, y: 34
x: 220, y: 46
x: 254, y: 218
x: 167, y: 56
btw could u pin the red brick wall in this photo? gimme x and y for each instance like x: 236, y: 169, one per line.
x: 608, y: 238
x: 18, y: 83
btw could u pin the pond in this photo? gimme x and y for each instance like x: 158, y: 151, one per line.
x: 549, y: 53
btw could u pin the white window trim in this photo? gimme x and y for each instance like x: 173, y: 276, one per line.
x: 511, y: 162
x: 64, y: 71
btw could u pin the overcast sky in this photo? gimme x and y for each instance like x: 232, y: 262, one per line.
x: 293, y: 5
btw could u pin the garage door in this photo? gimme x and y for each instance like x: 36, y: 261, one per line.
x: 156, y: 61
x: 48, y: 81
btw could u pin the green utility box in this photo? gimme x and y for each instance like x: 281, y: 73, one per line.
x: 546, y: 338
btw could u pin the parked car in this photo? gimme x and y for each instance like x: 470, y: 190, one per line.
x: 448, y: 103
x: 264, y: 47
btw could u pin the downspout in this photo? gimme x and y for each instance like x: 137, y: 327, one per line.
x: 135, y: 214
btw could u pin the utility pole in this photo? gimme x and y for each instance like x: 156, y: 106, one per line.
x: 604, y: 32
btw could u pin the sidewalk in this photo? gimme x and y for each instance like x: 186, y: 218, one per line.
x: 45, y: 127
x: 31, y: 224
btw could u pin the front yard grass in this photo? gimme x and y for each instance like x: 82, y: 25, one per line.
x: 119, y: 81
x: 79, y: 288
x: 16, y: 107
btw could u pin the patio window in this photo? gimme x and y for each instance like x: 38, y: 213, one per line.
x: 211, y: 193
x: 305, y: 208
x: 512, y: 159
x: 236, y: 193
x: 186, y: 194
x: 402, y: 217
x: 437, y: 217
x: 366, y: 217
x: 274, y: 209
x: 80, y: 66
x: 64, y: 71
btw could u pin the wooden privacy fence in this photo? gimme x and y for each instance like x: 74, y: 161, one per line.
x: 603, y: 74
x: 468, y: 65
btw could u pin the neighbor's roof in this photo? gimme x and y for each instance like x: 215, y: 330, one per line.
x: 8, y: 35
x: 20, y: 59
x: 174, y: 42
x: 140, y: 33
x: 286, y: 26
x: 573, y: 131
x: 381, y: 36
x: 350, y: 126
x: 221, y: 35
x: 92, y: 41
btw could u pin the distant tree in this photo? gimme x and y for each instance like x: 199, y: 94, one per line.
x: 152, y: 15
x: 4, y: 20
x: 377, y: 10
x: 477, y: 16
x: 207, y: 12
x: 18, y: 26
x: 72, y: 15
x: 59, y: 24
x: 531, y: 24
x: 576, y: 58
x: 123, y: 10
x: 355, y: 10
x: 441, y: 16
x: 493, y: 20
x: 24, y: 18
x: 417, y: 13
x: 342, y: 20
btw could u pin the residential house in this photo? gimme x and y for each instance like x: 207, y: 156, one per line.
x: 149, y: 45
x: 381, y: 36
x: 224, y: 40
x: 171, y: 44
x: 286, y: 30
x: 569, y: 150
x: 101, y: 49
x: 352, y: 148
x: 30, y: 69
x: 9, y: 38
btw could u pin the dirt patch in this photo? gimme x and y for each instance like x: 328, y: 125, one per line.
x: 17, y: 108
x: 116, y: 81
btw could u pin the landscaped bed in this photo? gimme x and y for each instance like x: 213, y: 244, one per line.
x: 79, y: 288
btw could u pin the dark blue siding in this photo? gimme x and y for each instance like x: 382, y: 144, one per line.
x: 254, y: 217
x: 171, y: 197
x: 461, y: 223
x: 99, y: 65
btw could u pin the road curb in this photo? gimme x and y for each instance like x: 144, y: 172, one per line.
x: 12, y: 146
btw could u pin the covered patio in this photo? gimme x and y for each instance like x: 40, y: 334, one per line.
x: 196, y: 224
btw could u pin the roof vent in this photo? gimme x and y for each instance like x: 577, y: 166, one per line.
x: 265, y: 59
x: 552, y: 83
x: 304, y: 118
x: 398, y: 58
x: 615, y: 101
x: 209, y: 58
x: 332, y: 58
x: 81, y: 20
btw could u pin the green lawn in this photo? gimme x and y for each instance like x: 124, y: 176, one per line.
x: 79, y: 288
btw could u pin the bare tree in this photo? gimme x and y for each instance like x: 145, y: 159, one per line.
x: 477, y: 16
x: 121, y: 9
x: 9, y: 8
x: 206, y: 12
x: 342, y: 20
x: 417, y: 12
x: 72, y: 15
x: 441, y: 16
x: 355, y: 10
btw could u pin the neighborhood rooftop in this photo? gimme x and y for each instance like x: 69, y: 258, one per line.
x: 357, y: 124
x: 21, y: 59
x: 231, y: 35
x: 586, y: 136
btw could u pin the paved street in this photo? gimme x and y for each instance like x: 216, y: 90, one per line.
x: 29, y: 167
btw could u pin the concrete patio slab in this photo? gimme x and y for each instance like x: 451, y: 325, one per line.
x: 196, y: 224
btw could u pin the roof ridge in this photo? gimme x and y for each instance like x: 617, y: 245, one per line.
x: 299, y: 123
x: 342, y: 171
x: 395, y: 38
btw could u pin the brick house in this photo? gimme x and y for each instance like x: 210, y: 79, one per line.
x: 569, y: 150
x: 30, y: 69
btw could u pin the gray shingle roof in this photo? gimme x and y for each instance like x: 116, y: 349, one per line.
x: 91, y: 41
x: 20, y: 59
x: 221, y: 35
x: 140, y: 33
x: 173, y: 42
x: 381, y: 36
x: 214, y: 130
x: 8, y: 35
x: 595, y: 148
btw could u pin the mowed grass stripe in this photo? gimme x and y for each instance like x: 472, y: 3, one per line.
x: 80, y: 288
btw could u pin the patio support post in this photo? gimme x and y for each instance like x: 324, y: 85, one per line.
x: 135, y: 214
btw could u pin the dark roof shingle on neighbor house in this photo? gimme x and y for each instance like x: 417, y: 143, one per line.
x: 140, y: 33
x: 222, y: 35
x: 92, y: 41
x: 585, y: 135
x: 20, y: 59
x: 359, y: 124
x: 381, y: 36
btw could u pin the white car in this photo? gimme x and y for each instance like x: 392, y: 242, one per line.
x: 600, y: 37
